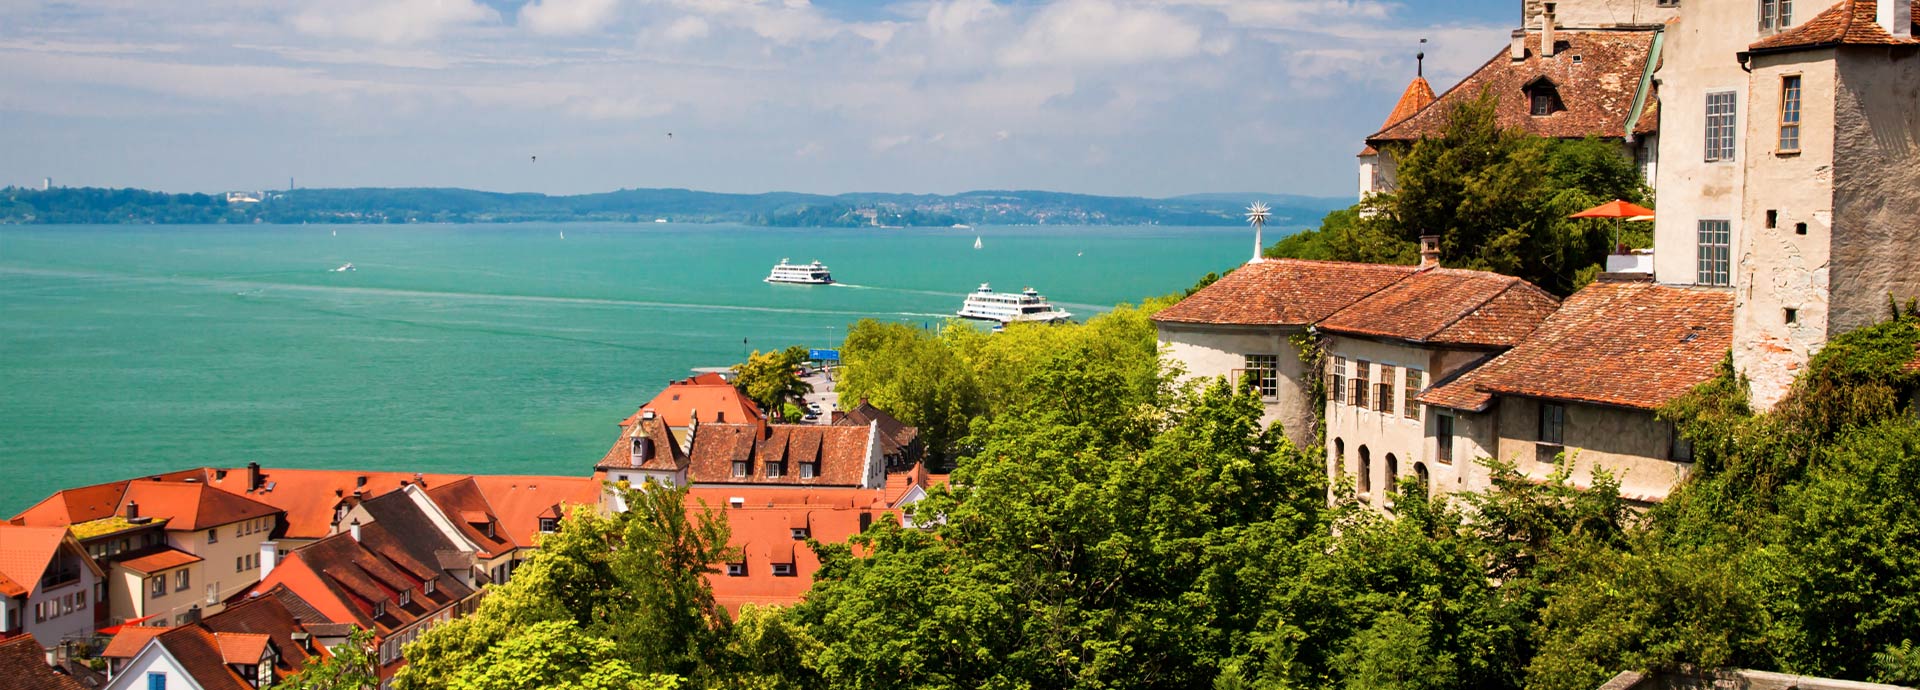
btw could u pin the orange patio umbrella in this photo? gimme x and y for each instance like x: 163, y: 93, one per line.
x: 1617, y: 210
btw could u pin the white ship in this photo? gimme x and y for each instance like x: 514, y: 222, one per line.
x: 345, y: 267
x: 1027, y: 305
x: 815, y: 273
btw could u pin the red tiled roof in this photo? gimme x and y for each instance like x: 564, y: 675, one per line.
x: 1848, y: 22
x: 1287, y: 292
x: 160, y: 559
x: 310, y: 497
x: 1419, y: 95
x: 765, y: 537
x: 667, y: 456
x: 10, y: 588
x: 708, y: 394
x: 1448, y: 306
x: 26, y: 551
x: 841, y: 452
x: 895, y: 435
x: 520, y: 501
x: 192, y: 506
x: 1598, y: 92
x: 86, y: 503
x: 130, y: 640
x: 462, y: 500
x: 271, y: 619
x: 1628, y: 344
x: 344, y: 579
x: 241, y: 648
x: 198, y: 652
x: 24, y: 666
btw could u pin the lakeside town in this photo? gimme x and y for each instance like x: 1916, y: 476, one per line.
x: 1641, y: 428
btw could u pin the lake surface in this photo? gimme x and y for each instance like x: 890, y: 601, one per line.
x: 128, y: 350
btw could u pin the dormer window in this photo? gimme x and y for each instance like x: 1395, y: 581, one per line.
x: 548, y: 524
x: 406, y: 597
x: 379, y: 609
x: 1543, y: 98
x: 428, y: 587
x: 739, y: 468
x: 809, y: 470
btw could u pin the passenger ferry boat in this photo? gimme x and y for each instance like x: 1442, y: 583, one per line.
x: 806, y: 274
x: 1027, y: 305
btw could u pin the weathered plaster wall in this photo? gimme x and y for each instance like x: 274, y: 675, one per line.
x: 1590, y: 14
x: 1409, y: 440
x: 1876, y: 215
x: 1699, y: 57
x: 1631, y: 444
x: 1777, y: 268
x: 1210, y: 351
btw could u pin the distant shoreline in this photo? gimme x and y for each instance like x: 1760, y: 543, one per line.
x: 399, y: 206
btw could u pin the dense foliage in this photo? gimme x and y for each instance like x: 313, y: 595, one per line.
x: 1105, y: 529
x: 778, y: 209
x: 772, y: 381
x: 1498, y: 199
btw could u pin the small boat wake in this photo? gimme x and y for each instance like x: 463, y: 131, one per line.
x: 348, y: 266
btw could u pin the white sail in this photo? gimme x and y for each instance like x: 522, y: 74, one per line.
x: 976, y: 241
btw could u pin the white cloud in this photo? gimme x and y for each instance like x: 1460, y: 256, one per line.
x: 557, y: 17
x: 1102, y: 32
x: 390, y: 21
x: 687, y: 29
x: 953, y: 18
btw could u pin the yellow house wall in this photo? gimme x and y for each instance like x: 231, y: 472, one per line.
x: 217, y: 568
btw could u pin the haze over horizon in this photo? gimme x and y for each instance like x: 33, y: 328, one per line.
x: 1103, y: 97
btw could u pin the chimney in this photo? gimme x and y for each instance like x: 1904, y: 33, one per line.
x: 269, y: 556
x: 1896, y: 17
x: 647, y: 413
x: 354, y: 529
x: 1517, y: 50
x: 253, y: 476
x: 304, y: 639
x: 359, y: 481
x: 720, y: 417
x: 1546, y: 32
x: 420, y: 478
x: 133, y: 510
x: 1429, y: 251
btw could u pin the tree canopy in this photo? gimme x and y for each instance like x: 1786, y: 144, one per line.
x: 1498, y: 199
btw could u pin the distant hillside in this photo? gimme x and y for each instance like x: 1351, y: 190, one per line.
x: 785, y: 209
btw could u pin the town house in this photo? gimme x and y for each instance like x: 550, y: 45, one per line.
x: 48, y: 585
x: 1386, y: 349
x: 252, y: 644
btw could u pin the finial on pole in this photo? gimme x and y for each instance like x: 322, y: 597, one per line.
x: 1420, y: 60
x: 1257, y: 217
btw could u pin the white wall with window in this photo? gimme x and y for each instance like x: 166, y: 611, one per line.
x: 1206, y: 351
x: 1372, y: 413
x: 1702, y: 151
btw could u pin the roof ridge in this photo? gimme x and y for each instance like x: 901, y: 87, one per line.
x: 1364, y: 297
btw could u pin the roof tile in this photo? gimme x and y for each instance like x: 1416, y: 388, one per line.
x: 1598, y: 92
x: 1284, y: 292
x: 24, y: 664
x: 1448, y: 306
x: 1628, y: 344
x: 1848, y: 22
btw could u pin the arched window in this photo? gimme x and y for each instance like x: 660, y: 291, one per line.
x: 1393, y: 473
x: 1366, y: 471
x: 1340, y: 453
x: 1543, y: 98
x: 1420, y: 473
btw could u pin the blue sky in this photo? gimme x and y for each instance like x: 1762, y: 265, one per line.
x: 1097, y: 96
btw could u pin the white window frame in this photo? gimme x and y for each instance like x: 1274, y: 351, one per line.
x: 1723, y: 126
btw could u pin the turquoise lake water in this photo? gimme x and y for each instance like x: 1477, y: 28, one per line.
x: 126, y: 350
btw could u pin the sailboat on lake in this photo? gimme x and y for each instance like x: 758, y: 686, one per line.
x: 976, y: 241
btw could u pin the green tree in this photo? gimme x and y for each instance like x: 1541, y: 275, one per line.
x: 771, y: 379
x: 1499, y: 200
x: 636, y: 579
x: 348, y: 666
x: 555, y: 655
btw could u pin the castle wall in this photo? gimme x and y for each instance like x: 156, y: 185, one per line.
x: 1777, y: 268
x: 1698, y: 58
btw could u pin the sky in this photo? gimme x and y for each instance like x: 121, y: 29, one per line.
x: 569, y: 96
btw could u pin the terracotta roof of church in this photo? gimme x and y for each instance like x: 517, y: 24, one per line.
x: 1848, y: 22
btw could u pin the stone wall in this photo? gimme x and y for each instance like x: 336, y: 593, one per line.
x: 1594, y: 14
x: 1631, y: 444
x: 1777, y: 268
x: 1876, y: 201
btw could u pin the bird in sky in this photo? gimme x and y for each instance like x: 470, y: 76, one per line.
x: 536, y: 159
